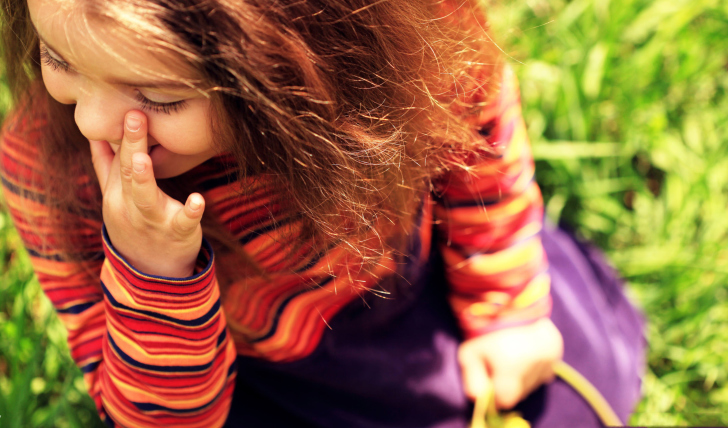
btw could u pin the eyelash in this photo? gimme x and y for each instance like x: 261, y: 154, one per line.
x: 166, y: 108
x: 146, y: 103
x: 53, y: 63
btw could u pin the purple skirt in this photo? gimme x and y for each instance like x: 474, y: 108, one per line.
x: 394, y: 363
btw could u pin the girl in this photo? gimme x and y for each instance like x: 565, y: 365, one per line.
x: 371, y: 252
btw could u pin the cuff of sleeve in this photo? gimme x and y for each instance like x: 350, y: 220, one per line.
x: 203, y: 269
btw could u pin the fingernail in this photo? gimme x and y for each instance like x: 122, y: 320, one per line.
x: 139, y: 166
x: 195, y: 204
x: 133, y: 123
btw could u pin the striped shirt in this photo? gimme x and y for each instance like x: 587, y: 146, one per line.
x: 157, y: 350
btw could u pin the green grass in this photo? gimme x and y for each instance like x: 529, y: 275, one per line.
x: 626, y: 105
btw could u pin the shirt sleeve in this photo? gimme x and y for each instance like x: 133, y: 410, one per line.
x: 154, y: 351
x: 489, y: 218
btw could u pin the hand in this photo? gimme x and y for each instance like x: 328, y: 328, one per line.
x: 154, y: 233
x: 514, y: 361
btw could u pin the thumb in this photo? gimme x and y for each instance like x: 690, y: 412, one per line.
x: 476, y: 381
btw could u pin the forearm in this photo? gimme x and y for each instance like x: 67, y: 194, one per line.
x: 147, y: 355
x: 167, y: 353
x: 490, y: 216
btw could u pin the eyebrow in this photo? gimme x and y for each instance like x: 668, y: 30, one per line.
x: 143, y: 85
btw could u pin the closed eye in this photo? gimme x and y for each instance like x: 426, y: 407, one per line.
x: 156, y: 107
x: 146, y: 104
x: 55, y: 64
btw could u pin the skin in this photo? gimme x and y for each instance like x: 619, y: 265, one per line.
x: 160, y: 236
x: 513, y: 361
x: 155, y: 233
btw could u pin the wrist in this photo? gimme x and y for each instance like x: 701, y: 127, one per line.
x: 166, y: 269
x: 161, y: 265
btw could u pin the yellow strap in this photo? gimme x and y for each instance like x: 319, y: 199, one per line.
x: 485, y: 404
x: 589, y: 392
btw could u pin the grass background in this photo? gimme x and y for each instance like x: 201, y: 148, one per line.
x: 627, y: 110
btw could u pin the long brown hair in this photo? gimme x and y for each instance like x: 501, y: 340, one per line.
x: 349, y: 107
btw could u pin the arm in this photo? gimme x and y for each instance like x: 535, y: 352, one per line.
x: 489, y: 219
x: 490, y: 216
x: 153, y: 351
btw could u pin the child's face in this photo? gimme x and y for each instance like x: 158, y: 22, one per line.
x: 106, y: 77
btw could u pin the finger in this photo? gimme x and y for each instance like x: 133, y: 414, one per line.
x: 101, y: 156
x: 133, y: 141
x: 144, y: 190
x: 475, y: 376
x: 547, y: 373
x: 188, y: 218
x: 508, y: 389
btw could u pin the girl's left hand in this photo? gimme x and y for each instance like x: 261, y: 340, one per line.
x: 514, y: 361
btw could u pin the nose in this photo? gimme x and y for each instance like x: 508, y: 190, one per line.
x: 99, y: 114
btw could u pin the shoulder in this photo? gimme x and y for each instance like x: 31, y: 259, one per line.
x: 22, y: 131
x: 20, y: 159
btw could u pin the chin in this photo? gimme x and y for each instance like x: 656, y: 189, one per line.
x: 171, y: 171
x: 161, y: 175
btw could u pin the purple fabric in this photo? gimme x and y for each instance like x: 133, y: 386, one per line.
x: 392, y: 362
x: 603, y: 336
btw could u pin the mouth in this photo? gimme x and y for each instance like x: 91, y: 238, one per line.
x: 150, y: 149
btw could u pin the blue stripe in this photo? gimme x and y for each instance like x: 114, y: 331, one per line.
x: 154, y: 333
x: 151, y: 407
x: 90, y: 256
x: 222, y: 337
x: 164, y: 369
x: 187, y: 323
x: 233, y: 368
x: 109, y: 423
x: 262, y: 231
x: 317, y: 258
x: 282, y: 306
x: 215, y: 182
x: 88, y: 368
x: 38, y: 197
x: 23, y: 193
x: 76, y: 309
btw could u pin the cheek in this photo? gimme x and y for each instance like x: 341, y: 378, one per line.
x: 58, y: 86
x: 186, y: 133
x: 179, y: 137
